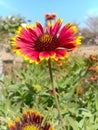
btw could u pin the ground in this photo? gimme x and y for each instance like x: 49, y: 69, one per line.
x: 87, y: 50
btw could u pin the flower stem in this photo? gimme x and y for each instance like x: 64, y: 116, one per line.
x: 55, y: 96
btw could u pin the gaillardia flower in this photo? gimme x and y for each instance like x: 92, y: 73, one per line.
x: 37, y: 43
x: 31, y: 121
x: 50, y: 16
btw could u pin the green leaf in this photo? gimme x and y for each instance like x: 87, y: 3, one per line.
x: 72, y: 123
x: 96, y: 102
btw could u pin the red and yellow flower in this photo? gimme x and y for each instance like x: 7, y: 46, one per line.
x: 37, y: 43
x: 50, y: 16
x: 31, y: 121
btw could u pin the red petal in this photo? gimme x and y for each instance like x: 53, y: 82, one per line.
x: 60, y: 54
x: 21, y: 42
x: 39, y: 26
x: 56, y: 26
x: 33, y: 33
x: 46, y: 55
x: 69, y: 46
x: 25, y: 34
x: 34, y: 55
x: 67, y: 31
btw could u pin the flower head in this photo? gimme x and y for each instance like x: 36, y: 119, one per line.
x: 93, y: 58
x: 31, y: 121
x: 94, y: 77
x: 50, y: 16
x: 36, y: 43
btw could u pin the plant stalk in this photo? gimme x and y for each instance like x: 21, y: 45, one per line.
x: 55, y: 96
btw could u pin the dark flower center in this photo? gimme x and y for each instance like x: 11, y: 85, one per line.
x: 46, y: 42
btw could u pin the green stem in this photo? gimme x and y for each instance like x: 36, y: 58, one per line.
x: 55, y: 96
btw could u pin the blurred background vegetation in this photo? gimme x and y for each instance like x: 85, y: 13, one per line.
x: 8, y: 27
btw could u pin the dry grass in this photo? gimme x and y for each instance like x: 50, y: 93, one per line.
x: 87, y: 50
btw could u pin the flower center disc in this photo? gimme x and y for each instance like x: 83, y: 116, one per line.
x: 46, y: 42
x: 31, y: 127
x: 46, y: 38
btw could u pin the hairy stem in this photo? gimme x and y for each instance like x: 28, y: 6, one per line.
x: 55, y: 96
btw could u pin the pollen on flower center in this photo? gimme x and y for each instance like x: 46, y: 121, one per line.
x: 46, y: 38
x: 31, y: 127
x: 46, y: 42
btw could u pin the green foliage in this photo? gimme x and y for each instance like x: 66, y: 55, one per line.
x: 10, y: 23
x: 8, y: 27
x: 30, y: 88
